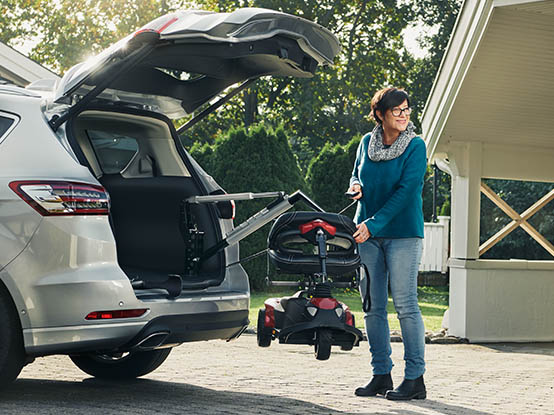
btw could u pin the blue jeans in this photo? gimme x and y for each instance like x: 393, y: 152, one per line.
x: 396, y: 260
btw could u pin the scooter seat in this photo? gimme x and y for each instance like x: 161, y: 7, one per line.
x: 292, y: 252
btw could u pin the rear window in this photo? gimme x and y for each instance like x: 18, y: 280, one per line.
x: 5, y: 124
x: 113, y: 151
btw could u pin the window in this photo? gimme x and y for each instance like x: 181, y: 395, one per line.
x: 6, y: 123
x: 113, y: 151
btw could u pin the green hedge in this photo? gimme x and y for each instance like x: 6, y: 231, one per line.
x: 257, y: 159
x: 329, y: 175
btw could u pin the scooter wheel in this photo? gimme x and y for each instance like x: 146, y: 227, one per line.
x: 349, y: 347
x: 264, y: 339
x: 323, y: 344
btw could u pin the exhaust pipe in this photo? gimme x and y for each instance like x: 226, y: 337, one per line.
x: 152, y: 341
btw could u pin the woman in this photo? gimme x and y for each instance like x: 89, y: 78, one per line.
x: 388, y: 173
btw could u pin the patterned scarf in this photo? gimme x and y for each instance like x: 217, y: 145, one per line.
x: 378, y: 152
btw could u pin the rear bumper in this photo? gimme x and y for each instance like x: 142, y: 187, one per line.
x: 129, y: 335
x: 188, y: 328
x: 71, y: 339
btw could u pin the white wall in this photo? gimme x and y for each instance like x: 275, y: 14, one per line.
x: 502, y: 300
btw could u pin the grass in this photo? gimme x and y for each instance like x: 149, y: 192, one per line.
x: 433, y: 302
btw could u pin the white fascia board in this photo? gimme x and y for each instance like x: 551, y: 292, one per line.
x: 464, y: 42
x: 502, y: 3
x: 22, y: 66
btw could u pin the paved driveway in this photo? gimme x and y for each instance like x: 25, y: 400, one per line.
x: 239, y: 378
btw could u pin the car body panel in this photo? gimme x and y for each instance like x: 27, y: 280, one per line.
x: 30, y: 151
x: 17, y: 224
x: 57, y: 288
x: 36, y: 145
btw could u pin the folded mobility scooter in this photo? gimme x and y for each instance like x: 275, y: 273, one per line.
x: 315, y: 244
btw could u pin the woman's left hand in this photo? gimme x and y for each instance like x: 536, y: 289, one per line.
x: 362, y: 234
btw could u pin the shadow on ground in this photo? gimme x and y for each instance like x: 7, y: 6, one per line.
x: 145, y: 396
x: 441, y: 408
x: 545, y: 349
x: 142, y: 396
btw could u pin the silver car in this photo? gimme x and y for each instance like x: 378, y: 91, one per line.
x: 103, y: 256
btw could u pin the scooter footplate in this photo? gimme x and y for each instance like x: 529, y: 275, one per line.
x: 349, y: 336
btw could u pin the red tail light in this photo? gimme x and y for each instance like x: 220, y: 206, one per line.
x: 63, y: 198
x: 108, y: 315
x: 317, y: 223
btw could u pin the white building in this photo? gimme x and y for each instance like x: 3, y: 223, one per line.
x: 19, y: 69
x: 489, y: 115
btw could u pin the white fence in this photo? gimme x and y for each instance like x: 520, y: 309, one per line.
x: 435, y: 246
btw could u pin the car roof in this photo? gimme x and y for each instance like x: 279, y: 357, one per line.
x: 12, y: 89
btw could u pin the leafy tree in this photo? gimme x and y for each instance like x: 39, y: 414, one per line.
x: 72, y: 30
x: 203, y: 154
x: 12, y: 13
x: 333, y: 105
x: 67, y: 32
x: 330, y: 107
x: 440, y: 16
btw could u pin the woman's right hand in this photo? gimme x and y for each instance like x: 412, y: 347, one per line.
x: 356, y: 188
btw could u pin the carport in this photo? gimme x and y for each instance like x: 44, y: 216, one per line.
x: 19, y: 69
x: 489, y: 115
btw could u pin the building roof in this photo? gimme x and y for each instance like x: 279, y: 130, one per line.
x: 495, y: 87
x: 19, y: 69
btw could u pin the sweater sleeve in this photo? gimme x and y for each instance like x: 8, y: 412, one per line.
x: 355, y: 179
x: 409, y: 183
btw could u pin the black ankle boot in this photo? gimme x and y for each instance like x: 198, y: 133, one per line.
x: 408, y: 389
x: 380, y: 384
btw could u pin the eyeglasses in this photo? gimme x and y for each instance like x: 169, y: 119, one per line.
x: 398, y: 111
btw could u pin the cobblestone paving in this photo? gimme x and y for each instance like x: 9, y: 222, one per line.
x: 240, y: 378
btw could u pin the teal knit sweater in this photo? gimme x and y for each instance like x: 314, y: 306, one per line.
x: 391, y: 205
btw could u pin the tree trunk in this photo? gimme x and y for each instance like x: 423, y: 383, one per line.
x: 250, y: 106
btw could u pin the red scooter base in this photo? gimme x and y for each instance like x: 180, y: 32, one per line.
x: 321, y: 322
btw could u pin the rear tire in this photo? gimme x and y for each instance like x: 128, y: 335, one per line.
x: 264, y: 339
x: 323, y: 344
x: 12, y: 353
x: 349, y: 347
x: 120, y: 367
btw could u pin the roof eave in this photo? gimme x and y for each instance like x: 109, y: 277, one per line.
x: 466, y: 36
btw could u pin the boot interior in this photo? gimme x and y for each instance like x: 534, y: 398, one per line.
x: 135, y: 157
